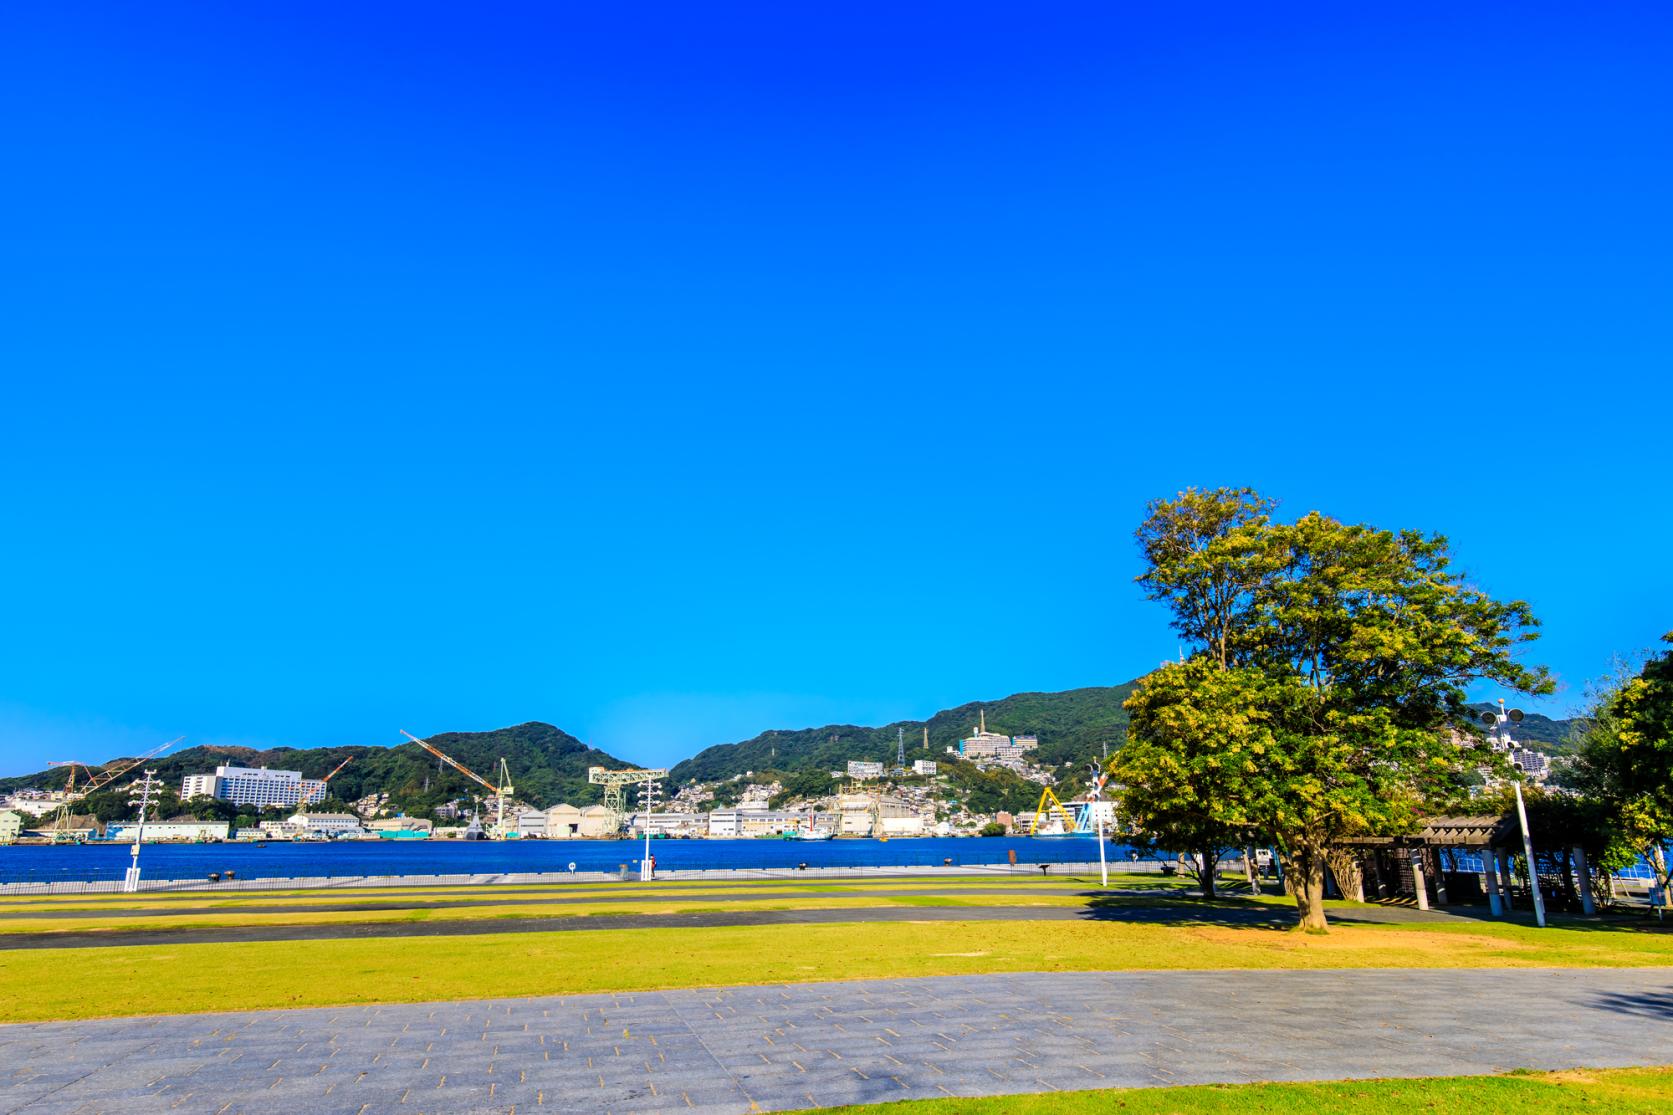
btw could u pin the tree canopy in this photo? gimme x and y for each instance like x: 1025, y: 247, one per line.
x: 1625, y: 761
x: 1330, y: 660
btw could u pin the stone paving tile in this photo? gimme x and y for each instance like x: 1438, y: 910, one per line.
x: 824, y: 1044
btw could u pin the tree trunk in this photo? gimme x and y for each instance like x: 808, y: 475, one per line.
x: 1349, y: 879
x: 1571, y: 895
x: 1308, y: 869
x: 1209, y: 859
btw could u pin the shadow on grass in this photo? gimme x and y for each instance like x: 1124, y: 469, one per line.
x: 1235, y: 911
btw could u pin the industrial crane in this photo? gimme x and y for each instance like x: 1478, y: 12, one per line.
x: 502, y: 792
x: 1048, y: 802
x: 302, y: 806
x: 614, y: 781
x: 95, y: 781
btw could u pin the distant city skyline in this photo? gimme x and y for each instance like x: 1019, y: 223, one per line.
x: 671, y: 378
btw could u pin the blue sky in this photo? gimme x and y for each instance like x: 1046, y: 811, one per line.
x: 676, y: 373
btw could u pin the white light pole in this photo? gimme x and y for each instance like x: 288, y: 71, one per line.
x: 1528, y: 850
x: 139, y: 793
x: 649, y: 802
x: 1095, y: 802
x: 1502, y: 727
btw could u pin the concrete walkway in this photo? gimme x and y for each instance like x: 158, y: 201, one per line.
x: 802, y: 1045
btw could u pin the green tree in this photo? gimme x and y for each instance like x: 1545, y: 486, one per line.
x: 1196, y: 738
x: 1206, y: 555
x: 803, y: 785
x: 1345, y: 651
x: 1625, y: 762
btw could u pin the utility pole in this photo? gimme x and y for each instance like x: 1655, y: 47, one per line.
x: 140, y: 794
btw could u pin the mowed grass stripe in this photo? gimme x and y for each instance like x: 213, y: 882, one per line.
x: 661, y: 887
x: 93, y: 982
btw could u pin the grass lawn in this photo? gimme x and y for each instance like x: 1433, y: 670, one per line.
x: 1548, y: 1093
x: 160, y: 979
x: 660, y: 888
x: 145, y: 914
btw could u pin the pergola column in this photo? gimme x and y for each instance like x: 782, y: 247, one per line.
x: 1583, y: 872
x: 1494, y: 904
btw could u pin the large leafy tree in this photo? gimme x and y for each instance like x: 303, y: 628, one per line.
x: 1625, y: 761
x: 1345, y: 651
x: 1197, y: 736
x: 1206, y: 554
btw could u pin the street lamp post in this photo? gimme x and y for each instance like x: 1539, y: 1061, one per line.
x: 649, y: 803
x: 1095, y: 802
x: 1501, y: 726
x: 140, y: 794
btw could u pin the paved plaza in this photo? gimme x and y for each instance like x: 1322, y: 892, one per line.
x: 804, y: 1045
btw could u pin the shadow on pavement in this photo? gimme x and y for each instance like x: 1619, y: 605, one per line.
x: 1645, y: 1004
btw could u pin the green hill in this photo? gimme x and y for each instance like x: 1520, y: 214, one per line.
x: 1073, y: 727
x: 547, y: 766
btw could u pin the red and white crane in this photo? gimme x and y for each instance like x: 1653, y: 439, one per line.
x: 502, y: 793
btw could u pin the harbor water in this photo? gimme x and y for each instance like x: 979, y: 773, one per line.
x: 285, y: 860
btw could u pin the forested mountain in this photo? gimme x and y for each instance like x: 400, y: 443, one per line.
x: 547, y: 766
x: 1073, y: 727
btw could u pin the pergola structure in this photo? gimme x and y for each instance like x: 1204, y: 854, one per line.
x: 1409, y: 866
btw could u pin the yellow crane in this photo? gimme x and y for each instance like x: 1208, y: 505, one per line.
x: 502, y: 792
x: 96, y: 781
x: 1048, y: 801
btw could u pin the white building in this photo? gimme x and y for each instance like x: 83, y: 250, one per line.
x: 32, y: 805
x: 923, y: 766
x: 326, y: 824
x: 1531, y: 763
x: 167, y: 832
x: 670, y: 824
x: 567, y: 822
x: 197, y: 786
x: 857, y: 769
x: 11, y: 826
x: 761, y: 822
x: 725, y: 822
x: 983, y: 744
x: 257, y: 786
